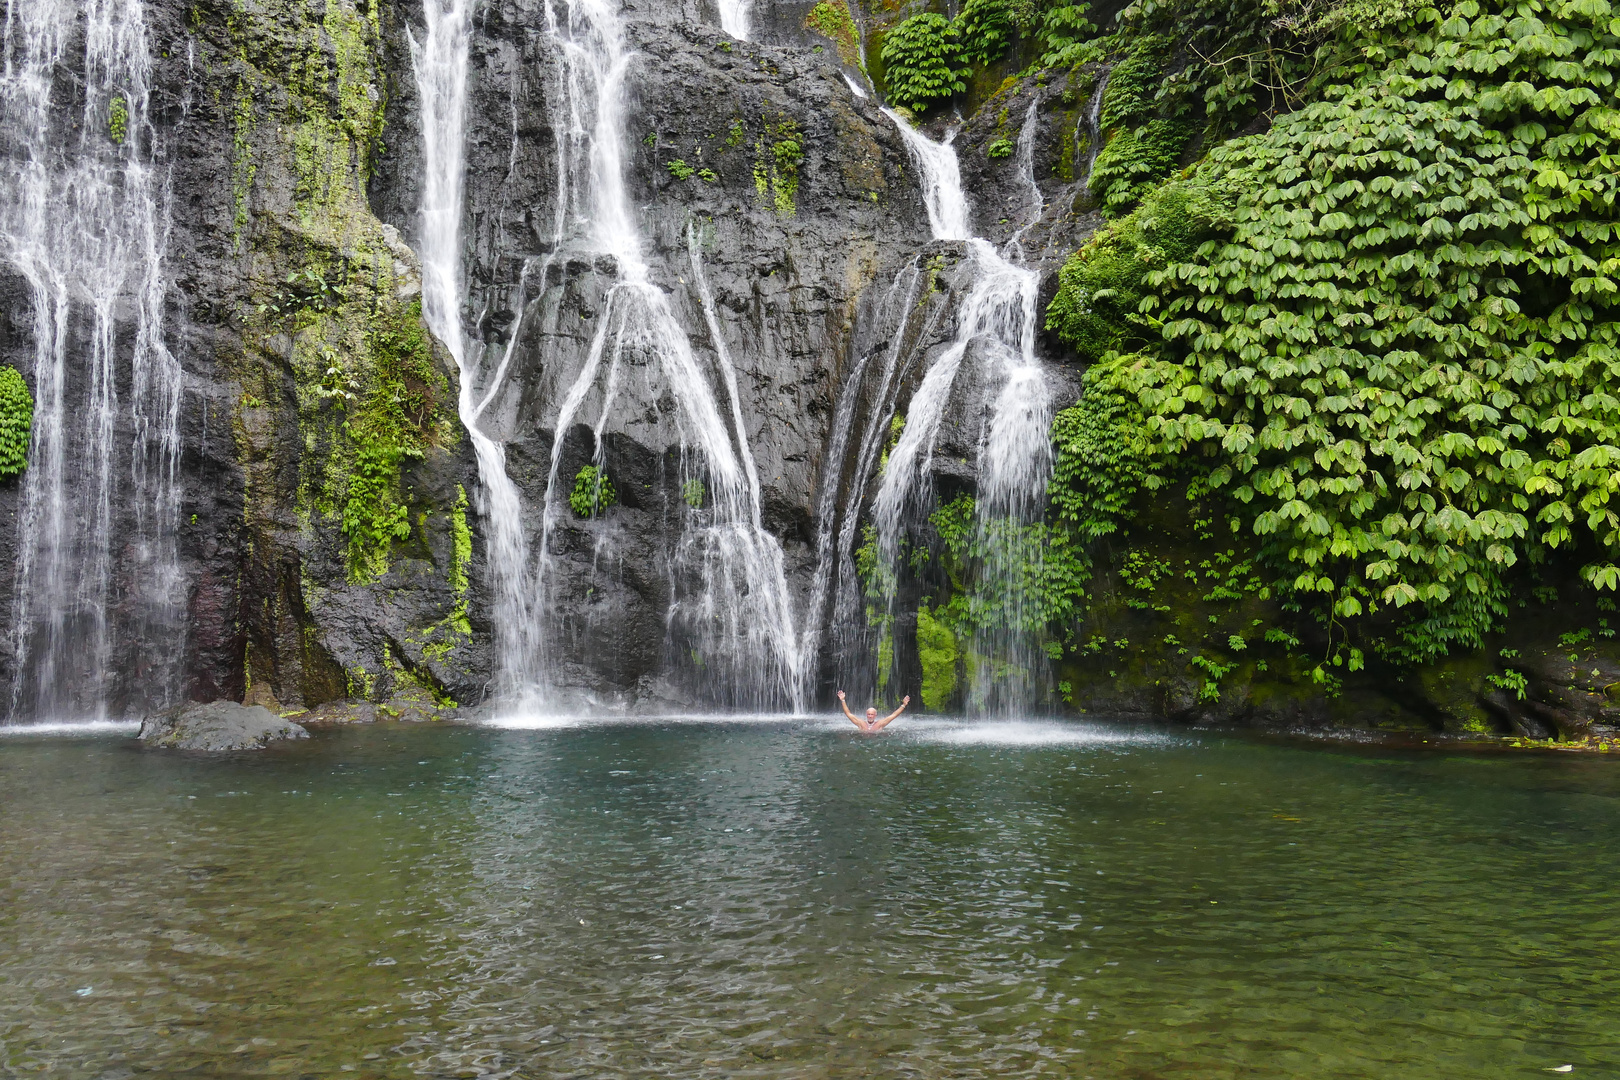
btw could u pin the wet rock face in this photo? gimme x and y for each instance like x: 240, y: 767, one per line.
x: 292, y: 149
x: 301, y: 315
x: 751, y: 165
x: 282, y: 288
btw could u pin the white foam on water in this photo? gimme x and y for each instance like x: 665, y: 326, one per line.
x: 1030, y: 733
x: 930, y: 730
x: 73, y: 728
x: 565, y: 722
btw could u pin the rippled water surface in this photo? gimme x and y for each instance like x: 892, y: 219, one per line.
x: 793, y: 899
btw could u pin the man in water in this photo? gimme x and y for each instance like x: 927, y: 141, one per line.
x: 872, y: 723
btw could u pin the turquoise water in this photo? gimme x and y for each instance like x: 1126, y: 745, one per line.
x: 793, y: 899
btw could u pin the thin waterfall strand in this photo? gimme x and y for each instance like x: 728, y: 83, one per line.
x: 735, y: 16
x: 440, y: 62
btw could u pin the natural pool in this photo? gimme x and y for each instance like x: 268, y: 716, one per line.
x: 792, y: 899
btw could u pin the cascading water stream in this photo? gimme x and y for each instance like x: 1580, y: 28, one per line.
x: 735, y: 16
x: 997, y: 320
x: 84, y: 220
x: 440, y: 62
x: 836, y: 522
x: 731, y: 609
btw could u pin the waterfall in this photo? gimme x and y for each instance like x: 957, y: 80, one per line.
x: 1026, y: 180
x: 941, y: 180
x: 84, y: 221
x: 997, y: 320
x: 1094, y: 126
x: 836, y: 522
x: 734, y: 17
x: 440, y: 63
x: 730, y: 613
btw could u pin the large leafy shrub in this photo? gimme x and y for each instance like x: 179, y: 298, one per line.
x: 1403, y: 365
x: 984, y: 30
x: 1066, y: 34
x: 922, y: 62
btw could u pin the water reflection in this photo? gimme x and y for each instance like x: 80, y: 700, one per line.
x: 783, y: 899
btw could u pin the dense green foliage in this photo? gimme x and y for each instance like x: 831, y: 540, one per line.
x: 923, y: 62
x: 372, y: 515
x: 938, y: 653
x: 16, y: 422
x: 1146, y: 123
x: 985, y: 30
x: 593, y: 492
x: 1067, y: 36
x: 1101, y: 287
x: 1398, y: 361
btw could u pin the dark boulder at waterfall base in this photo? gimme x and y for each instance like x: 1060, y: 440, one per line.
x: 217, y: 727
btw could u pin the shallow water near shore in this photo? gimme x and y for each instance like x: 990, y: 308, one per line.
x: 788, y: 898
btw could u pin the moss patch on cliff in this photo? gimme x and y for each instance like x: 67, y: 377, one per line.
x: 778, y: 156
x: 831, y: 19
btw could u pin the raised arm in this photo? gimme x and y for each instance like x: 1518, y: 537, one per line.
x: 883, y: 723
x: 842, y: 704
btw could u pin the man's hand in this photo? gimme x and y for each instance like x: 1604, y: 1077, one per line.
x: 840, y: 695
x: 906, y: 700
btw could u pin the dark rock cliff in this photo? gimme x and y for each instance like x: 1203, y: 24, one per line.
x: 320, y: 563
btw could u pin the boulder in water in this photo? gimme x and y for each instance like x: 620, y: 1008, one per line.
x: 218, y: 726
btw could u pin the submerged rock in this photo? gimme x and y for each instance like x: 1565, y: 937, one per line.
x: 218, y: 726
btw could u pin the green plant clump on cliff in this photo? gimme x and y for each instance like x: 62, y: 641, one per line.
x: 938, y: 653
x: 593, y: 492
x: 778, y: 156
x: 118, y: 118
x: 984, y: 29
x: 1397, y: 358
x: 16, y: 422
x: 372, y: 515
